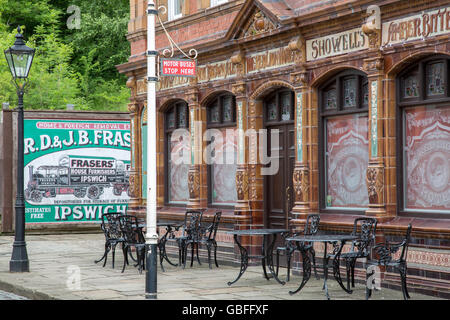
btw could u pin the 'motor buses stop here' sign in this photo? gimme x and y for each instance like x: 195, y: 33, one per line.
x: 178, y: 67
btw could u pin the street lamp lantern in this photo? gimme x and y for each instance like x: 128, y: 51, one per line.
x: 19, y: 58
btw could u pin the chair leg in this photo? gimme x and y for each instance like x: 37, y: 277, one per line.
x: 352, y: 265
x: 198, y: 257
x: 113, y: 254
x: 215, y: 254
x: 192, y: 253
x: 278, y: 262
x: 104, y: 254
x: 313, y: 255
x: 208, y: 247
x: 348, y: 268
x: 125, y: 253
x: 288, y: 262
x: 368, y: 286
x: 402, y: 269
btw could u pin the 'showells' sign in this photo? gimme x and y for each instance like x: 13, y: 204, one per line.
x: 178, y: 67
x: 75, y: 171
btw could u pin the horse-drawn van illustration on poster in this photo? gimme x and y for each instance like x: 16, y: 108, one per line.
x: 82, y: 176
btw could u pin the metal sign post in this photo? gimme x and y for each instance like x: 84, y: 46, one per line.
x: 151, y: 237
x: 184, y: 68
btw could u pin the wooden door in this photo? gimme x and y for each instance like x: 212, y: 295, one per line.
x: 278, y: 187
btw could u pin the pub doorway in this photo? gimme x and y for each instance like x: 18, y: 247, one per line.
x: 278, y: 185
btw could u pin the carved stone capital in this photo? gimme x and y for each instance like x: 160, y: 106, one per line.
x: 239, y: 89
x: 192, y: 96
x: 299, y: 79
x: 298, y: 46
x: 132, y: 108
x: 131, y: 84
x: 373, y: 64
x: 372, y: 29
x: 239, y: 61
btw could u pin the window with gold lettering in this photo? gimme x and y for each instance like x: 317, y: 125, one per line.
x: 344, y: 144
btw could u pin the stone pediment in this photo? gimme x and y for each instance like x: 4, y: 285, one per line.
x: 251, y: 21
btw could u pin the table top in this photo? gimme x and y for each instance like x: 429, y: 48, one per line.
x: 323, y: 238
x: 257, y: 231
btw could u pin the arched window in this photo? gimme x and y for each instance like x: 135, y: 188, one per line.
x: 423, y: 143
x: 343, y: 142
x: 177, y: 153
x: 222, y: 151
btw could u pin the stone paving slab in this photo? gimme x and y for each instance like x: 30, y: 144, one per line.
x: 57, y: 261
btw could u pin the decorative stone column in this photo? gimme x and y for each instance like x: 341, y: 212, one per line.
x: 239, y: 89
x: 374, y: 66
x: 134, y: 191
x: 301, y: 176
x: 197, y: 169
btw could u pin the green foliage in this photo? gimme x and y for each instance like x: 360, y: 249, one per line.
x: 70, y: 66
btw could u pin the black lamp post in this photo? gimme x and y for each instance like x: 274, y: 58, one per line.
x: 19, y: 58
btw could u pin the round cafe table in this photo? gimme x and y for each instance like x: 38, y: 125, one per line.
x: 266, y: 253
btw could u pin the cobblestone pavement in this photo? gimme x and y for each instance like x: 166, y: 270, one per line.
x: 62, y: 267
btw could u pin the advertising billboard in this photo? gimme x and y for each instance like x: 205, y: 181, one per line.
x: 75, y: 170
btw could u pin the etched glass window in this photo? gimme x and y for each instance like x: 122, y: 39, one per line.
x: 215, y: 114
x: 347, y: 157
x: 365, y: 92
x: 435, y: 79
x: 228, y: 109
x: 171, y: 119
x: 330, y: 99
x: 350, y: 93
x: 272, y: 110
x: 410, y: 87
x: 286, y: 106
x: 427, y: 158
x: 182, y: 116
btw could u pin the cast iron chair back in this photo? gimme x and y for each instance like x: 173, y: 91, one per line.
x: 206, y: 236
x: 211, y: 230
x: 366, y: 235
x: 190, y: 231
x: 192, y: 223
x: 133, y: 237
x: 385, y: 257
x: 113, y: 236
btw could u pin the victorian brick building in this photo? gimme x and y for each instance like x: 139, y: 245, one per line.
x: 358, y: 93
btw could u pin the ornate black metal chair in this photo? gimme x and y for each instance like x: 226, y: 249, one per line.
x: 207, y: 237
x: 311, y: 228
x: 113, y: 235
x: 385, y: 257
x: 364, y: 228
x: 133, y: 237
x: 189, y: 230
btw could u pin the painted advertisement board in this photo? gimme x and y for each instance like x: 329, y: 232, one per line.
x: 75, y: 170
